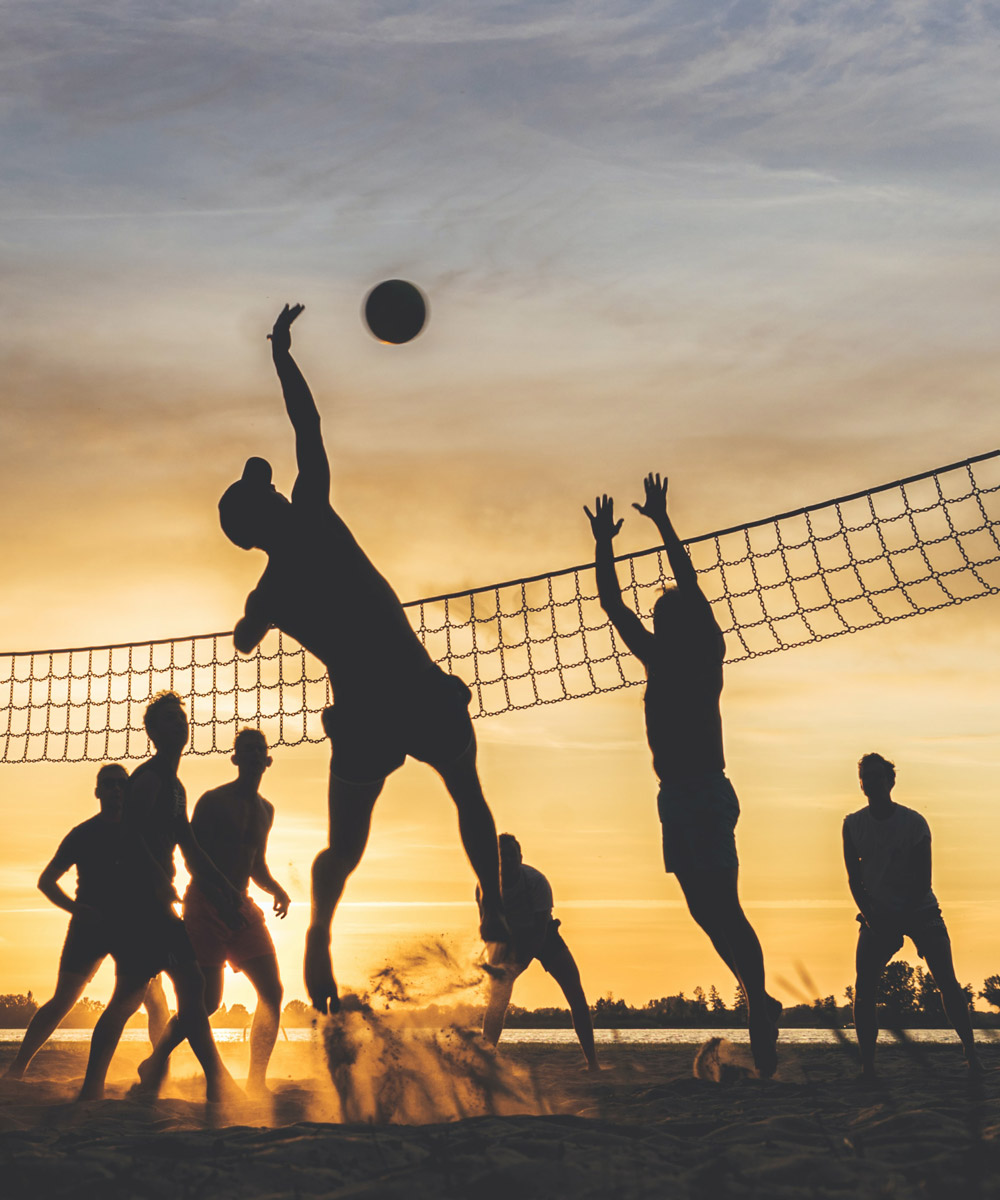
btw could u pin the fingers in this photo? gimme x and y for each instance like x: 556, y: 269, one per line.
x: 588, y: 512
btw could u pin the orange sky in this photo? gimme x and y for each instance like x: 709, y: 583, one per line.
x: 756, y: 255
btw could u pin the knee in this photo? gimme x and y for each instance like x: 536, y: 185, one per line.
x: 272, y: 997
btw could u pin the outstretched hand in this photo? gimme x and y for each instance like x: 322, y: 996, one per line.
x: 655, y: 505
x: 602, y: 519
x: 280, y: 336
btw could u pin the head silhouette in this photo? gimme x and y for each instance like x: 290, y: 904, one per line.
x: 166, y: 722
x: 248, y: 510
x: 510, y: 852
x: 112, y: 779
x: 669, y: 612
x: 250, y: 755
x: 877, y: 774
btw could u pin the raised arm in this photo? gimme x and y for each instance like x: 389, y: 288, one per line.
x: 310, y: 455
x: 262, y: 876
x: 685, y: 576
x: 631, y: 630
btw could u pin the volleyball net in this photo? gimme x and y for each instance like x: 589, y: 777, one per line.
x: 909, y: 547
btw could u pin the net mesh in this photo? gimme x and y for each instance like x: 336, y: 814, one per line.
x: 909, y: 547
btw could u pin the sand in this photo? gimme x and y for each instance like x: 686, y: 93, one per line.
x: 644, y: 1127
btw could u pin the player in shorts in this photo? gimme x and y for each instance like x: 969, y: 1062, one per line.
x: 887, y: 852
x: 390, y: 699
x: 146, y: 935
x: 697, y: 805
x: 232, y: 824
x: 93, y: 848
x: 527, y: 901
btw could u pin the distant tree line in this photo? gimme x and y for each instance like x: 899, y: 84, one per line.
x: 907, y: 999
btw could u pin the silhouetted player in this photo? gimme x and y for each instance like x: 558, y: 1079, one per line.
x: 148, y: 936
x: 697, y: 805
x: 93, y: 848
x: 887, y: 851
x: 391, y: 700
x: 232, y: 824
x: 527, y: 901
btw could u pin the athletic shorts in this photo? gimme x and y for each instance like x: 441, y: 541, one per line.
x: 551, y: 949
x: 927, y: 931
x: 215, y: 943
x: 698, y: 814
x: 146, y: 942
x: 426, y: 717
x: 87, y: 944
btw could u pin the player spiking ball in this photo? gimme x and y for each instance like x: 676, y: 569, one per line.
x: 390, y: 699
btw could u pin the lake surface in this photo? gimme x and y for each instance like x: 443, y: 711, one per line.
x: 559, y: 1037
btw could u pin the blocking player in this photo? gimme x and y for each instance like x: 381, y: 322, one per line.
x: 697, y: 805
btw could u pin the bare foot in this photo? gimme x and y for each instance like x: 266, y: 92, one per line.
x: 764, y: 1047
x: 318, y: 970
x: 223, y: 1089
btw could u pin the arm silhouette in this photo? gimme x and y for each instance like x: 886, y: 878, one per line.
x: 852, y: 861
x: 631, y: 630
x: 48, y: 884
x: 655, y: 507
x: 313, y: 480
x: 261, y: 874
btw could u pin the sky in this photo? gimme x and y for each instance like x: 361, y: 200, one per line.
x: 751, y: 245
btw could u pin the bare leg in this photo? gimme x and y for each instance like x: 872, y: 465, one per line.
x: 869, y: 963
x: 501, y: 985
x: 713, y: 899
x: 263, y: 974
x: 124, y: 1002
x: 192, y: 1020
x: 351, y: 807
x: 153, y: 1070
x: 953, y: 999
x: 69, y: 989
x: 157, y: 1011
x: 479, y: 837
x: 563, y: 969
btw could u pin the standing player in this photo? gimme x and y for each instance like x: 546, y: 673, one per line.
x: 527, y: 902
x: 147, y: 936
x: 391, y: 700
x: 232, y: 824
x: 93, y: 848
x: 697, y: 805
x: 887, y: 851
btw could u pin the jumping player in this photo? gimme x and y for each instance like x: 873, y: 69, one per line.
x: 697, y: 805
x: 232, y: 824
x: 93, y: 848
x: 391, y: 700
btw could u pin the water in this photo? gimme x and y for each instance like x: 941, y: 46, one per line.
x: 566, y: 1037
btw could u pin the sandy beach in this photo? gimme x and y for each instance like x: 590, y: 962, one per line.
x: 644, y: 1127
